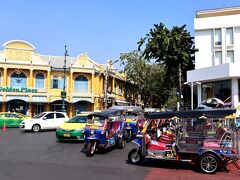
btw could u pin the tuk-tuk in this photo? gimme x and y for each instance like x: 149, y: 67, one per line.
x: 104, y: 130
x: 193, y: 136
x: 134, y: 118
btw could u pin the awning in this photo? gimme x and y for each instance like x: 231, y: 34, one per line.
x: 23, y: 98
x: 119, y: 102
x: 58, y: 99
x: 77, y: 99
x: 39, y: 99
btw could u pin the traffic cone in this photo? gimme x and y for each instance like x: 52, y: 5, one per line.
x: 4, y: 127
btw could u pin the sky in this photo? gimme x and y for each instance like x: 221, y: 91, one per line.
x: 101, y: 28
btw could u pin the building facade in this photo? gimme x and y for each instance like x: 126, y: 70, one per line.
x: 30, y: 82
x: 217, y: 59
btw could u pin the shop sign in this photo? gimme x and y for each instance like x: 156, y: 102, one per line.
x: 16, y: 89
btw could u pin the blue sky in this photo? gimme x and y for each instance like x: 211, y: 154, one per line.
x: 102, y: 28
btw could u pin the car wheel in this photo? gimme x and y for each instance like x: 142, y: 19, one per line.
x: 135, y: 157
x: 90, y: 149
x: 36, y: 128
x: 209, y: 163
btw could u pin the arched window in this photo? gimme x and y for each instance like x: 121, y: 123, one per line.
x: 39, y: 80
x: 81, y: 84
x: 18, y: 80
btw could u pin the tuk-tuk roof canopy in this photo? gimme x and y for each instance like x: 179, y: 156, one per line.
x: 135, y: 109
x: 213, y: 113
x: 107, y: 113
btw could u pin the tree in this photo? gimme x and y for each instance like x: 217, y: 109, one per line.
x: 136, y: 69
x: 146, y: 78
x: 172, y: 48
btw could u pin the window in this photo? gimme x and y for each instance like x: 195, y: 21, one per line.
x: 39, y: 80
x: 218, y: 58
x: 18, y: 79
x: 57, y: 83
x: 120, y: 89
x: 230, y: 56
x: 50, y: 116
x: 59, y: 115
x: 229, y: 36
x: 218, y: 37
x: 219, y: 89
x: 81, y: 84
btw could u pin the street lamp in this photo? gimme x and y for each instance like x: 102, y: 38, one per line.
x: 63, y: 93
x: 109, y: 62
x: 192, y: 84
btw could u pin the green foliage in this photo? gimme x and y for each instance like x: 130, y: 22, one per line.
x: 169, y: 48
x: 158, y: 82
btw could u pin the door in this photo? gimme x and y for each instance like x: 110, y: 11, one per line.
x: 60, y: 119
x: 48, y: 121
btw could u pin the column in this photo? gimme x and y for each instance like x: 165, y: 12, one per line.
x: 71, y: 81
x: 48, y: 80
x: 199, y: 94
x: 31, y: 78
x: 235, y: 92
x: 5, y: 77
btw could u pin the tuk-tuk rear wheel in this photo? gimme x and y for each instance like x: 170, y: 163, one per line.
x: 209, y: 163
x: 90, y: 149
x: 135, y: 157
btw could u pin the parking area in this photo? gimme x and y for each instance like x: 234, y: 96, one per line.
x: 39, y: 156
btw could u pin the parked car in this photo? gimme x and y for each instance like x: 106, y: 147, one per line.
x: 11, y: 119
x: 72, y: 130
x: 43, y: 121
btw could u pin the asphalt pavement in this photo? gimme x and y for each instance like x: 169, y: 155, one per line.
x: 38, y: 156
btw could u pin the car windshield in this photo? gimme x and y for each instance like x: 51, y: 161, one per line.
x: 39, y: 115
x: 78, y: 119
x: 98, y: 120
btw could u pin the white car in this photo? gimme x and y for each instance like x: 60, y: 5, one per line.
x: 44, y: 120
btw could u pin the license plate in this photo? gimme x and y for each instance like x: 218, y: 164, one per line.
x: 66, y: 135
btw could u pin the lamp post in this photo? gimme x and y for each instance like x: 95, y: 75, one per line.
x: 63, y: 93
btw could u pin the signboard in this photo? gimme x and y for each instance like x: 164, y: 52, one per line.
x: 18, y: 89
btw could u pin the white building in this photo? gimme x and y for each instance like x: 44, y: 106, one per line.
x: 217, y: 61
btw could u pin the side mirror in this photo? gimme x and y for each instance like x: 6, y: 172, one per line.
x: 44, y: 118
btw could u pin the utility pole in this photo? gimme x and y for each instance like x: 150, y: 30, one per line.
x: 180, y: 87
x: 63, y: 93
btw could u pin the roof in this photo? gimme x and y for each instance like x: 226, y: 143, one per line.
x: 213, y: 113
x: 58, y: 61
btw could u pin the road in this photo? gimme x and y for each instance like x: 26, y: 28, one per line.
x: 35, y: 156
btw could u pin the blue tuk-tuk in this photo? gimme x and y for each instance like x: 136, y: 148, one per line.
x: 104, y: 130
x: 134, y: 118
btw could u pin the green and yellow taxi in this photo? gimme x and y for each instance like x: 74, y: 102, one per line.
x: 11, y: 119
x: 72, y: 130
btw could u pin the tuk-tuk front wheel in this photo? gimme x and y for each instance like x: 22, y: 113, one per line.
x: 209, y: 163
x: 135, y: 157
x: 121, y: 143
x: 90, y: 149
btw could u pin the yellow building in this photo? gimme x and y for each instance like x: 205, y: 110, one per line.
x: 30, y: 82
